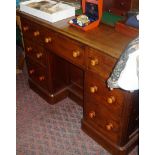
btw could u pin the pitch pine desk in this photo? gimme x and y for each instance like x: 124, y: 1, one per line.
x: 63, y: 61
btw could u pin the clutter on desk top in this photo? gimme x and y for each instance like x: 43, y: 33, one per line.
x: 133, y: 19
x: 91, y: 15
x: 130, y: 26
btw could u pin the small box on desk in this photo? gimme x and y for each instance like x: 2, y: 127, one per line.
x: 126, y: 30
x: 91, y: 17
x: 51, y: 11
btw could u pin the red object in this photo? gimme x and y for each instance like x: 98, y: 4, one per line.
x: 126, y: 30
x: 95, y: 23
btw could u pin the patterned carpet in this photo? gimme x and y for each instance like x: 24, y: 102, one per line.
x: 44, y: 129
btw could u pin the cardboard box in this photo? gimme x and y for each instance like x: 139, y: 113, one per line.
x: 51, y: 11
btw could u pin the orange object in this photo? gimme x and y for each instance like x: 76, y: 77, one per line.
x: 95, y: 23
x: 126, y: 30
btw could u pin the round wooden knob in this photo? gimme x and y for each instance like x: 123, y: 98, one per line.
x: 109, y: 126
x: 76, y: 54
x: 25, y: 28
x: 29, y: 49
x: 39, y: 55
x: 111, y: 99
x: 92, y: 114
x: 48, y: 39
x: 122, y: 4
x: 41, y: 78
x: 36, y: 33
x: 94, y: 62
x: 93, y: 89
x: 31, y: 71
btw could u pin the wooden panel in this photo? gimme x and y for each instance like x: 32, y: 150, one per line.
x: 76, y: 84
x: 134, y: 118
x: 69, y: 49
x: 37, y: 33
x: 100, y: 63
x: 121, y: 7
x: 107, y: 5
x: 37, y: 73
x: 48, y: 37
x: 76, y: 76
x: 60, y: 73
x: 102, y: 121
x: 134, y: 4
x: 103, y: 38
x: 109, y: 100
x: 30, y: 29
x: 126, y: 30
x: 35, y: 52
x: 18, y: 22
x: 122, y: 4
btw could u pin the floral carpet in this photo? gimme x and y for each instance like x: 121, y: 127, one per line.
x: 44, y: 129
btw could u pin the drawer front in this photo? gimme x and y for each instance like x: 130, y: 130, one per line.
x: 70, y: 50
x: 31, y: 30
x: 134, y: 119
x: 123, y: 4
x: 37, y: 73
x: 96, y: 91
x: 100, y: 63
x: 35, y: 52
x: 48, y: 38
x: 102, y: 121
x: 36, y: 32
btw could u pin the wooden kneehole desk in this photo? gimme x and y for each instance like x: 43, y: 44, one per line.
x: 64, y: 61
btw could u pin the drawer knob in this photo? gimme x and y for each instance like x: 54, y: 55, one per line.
x: 36, y: 33
x: 41, y: 78
x: 109, y: 126
x: 93, y: 89
x: 92, y: 114
x: 29, y: 49
x: 48, y: 39
x: 31, y: 71
x: 111, y: 99
x: 25, y: 28
x: 94, y: 62
x: 39, y: 55
x: 122, y: 4
x: 76, y: 54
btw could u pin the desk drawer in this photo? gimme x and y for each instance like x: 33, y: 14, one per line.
x: 102, y: 121
x: 100, y: 63
x: 134, y: 120
x: 31, y: 30
x: 36, y: 32
x: 35, y: 52
x: 97, y: 91
x: 69, y: 49
x: 37, y: 73
x: 123, y: 4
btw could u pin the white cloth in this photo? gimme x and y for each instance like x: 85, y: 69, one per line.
x: 129, y: 77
